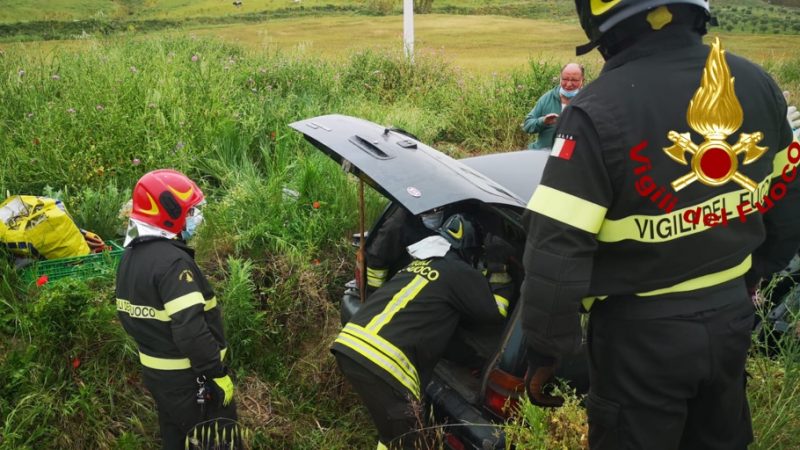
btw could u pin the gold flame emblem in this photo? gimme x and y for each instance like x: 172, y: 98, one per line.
x: 715, y: 113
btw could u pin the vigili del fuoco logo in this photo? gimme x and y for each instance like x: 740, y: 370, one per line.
x: 715, y: 113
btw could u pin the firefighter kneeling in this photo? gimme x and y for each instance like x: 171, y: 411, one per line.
x: 389, y: 348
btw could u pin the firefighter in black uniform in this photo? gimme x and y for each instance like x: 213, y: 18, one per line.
x: 389, y: 348
x: 166, y: 304
x: 669, y: 192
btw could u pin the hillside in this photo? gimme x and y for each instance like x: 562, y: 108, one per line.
x: 65, y: 19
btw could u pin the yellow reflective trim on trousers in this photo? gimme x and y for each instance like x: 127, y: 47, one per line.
x: 379, y: 360
x: 142, y: 312
x: 694, y: 284
x: 398, y: 302
x: 382, y: 345
x: 211, y: 304
x: 567, y: 208
x: 381, y: 446
x: 502, y: 304
x: 154, y: 362
x: 185, y: 301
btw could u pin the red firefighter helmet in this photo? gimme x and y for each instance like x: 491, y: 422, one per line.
x: 162, y: 198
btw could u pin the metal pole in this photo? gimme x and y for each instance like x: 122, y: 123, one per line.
x: 408, y: 28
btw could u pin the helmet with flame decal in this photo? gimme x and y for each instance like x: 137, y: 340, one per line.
x: 598, y: 17
x: 162, y: 198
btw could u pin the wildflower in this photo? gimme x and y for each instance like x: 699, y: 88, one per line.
x: 179, y: 146
x: 55, y: 77
x: 71, y: 110
x: 520, y: 87
x: 272, y: 135
x: 42, y: 280
x: 99, y: 107
x: 315, y: 261
x: 76, y: 362
x: 195, y: 58
x: 36, y: 141
x: 21, y: 73
x: 315, y: 205
x: 262, y: 70
x: 151, y: 105
x: 29, y: 115
x: 134, y: 69
x: 136, y: 161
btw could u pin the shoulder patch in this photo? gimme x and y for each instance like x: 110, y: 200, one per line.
x: 563, y: 146
x: 186, y: 276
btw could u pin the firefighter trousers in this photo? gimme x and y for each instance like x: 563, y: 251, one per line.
x: 179, y: 415
x: 674, y: 382
x: 391, y: 411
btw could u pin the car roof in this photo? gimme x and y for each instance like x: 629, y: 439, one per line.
x: 417, y: 176
x: 519, y: 171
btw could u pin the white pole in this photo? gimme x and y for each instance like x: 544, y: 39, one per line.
x: 408, y: 28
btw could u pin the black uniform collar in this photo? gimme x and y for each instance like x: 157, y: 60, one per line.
x: 180, y: 243
x: 676, y: 37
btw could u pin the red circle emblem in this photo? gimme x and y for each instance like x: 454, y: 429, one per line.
x: 715, y: 163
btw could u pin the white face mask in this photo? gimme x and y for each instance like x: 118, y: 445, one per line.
x: 432, y: 220
x: 193, y: 220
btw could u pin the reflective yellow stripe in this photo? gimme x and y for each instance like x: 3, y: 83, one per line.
x: 381, y: 446
x: 694, y: 284
x: 380, y: 360
x: 567, y: 208
x: 502, y: 304
x: 170, y: 363
x: 376, y: 277
x: 185, y: 301
x: 211, y: 304
x: 380, y: 273
x: 382, y: 345
x: 500, y: 278
x: 141, y: 312
x: 705, y: 281
x: 398, y: 302
x: 666, y: 227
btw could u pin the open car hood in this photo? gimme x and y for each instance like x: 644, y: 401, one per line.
x: 399, y: 166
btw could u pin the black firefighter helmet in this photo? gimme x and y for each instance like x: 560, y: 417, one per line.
x: 465, y: 236
x: 597, y: 17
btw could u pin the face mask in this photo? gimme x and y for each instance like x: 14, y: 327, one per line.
x: 432, y: 220
x: 192, y: 222
x: 569, y: 94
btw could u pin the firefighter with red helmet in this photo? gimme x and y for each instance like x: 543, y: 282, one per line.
x: 166, y: 304
x: 669, y: 192
x: 390, y: 346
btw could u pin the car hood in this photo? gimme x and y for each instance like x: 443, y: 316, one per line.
x: 404, y: 169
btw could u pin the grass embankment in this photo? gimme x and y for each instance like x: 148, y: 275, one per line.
x: 84, y: 125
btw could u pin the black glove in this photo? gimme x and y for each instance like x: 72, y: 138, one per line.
x: 499, y: 253
x: 537, y: 380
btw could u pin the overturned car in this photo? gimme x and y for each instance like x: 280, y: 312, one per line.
x: 473, y: 388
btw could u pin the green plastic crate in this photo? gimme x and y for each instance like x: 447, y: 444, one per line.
x: 80, y: 267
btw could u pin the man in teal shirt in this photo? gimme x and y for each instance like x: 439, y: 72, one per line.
x: 542, y: 119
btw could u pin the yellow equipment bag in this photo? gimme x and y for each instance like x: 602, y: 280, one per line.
x: 34, y: 226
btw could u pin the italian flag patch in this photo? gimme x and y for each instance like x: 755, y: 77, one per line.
x: 563, y: 147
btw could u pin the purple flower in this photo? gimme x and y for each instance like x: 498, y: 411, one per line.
x: 99, y: 107
x: 136, y: 161
x: 71, y: 110
x: 195, y: 58
x: 179, y: 146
